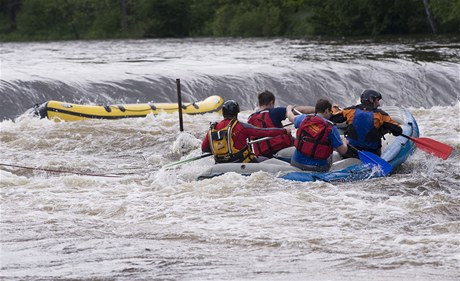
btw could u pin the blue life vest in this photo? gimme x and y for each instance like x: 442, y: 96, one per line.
x: 362, y: 128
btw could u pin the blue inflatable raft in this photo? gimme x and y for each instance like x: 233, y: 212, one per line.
x: 395, y: 150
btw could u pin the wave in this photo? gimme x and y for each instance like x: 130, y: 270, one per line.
x: 296, y: 73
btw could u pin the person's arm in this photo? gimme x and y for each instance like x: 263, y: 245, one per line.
x: 244, y: 131
x: 390, y: 124
x: 343, y: 148
x: 255, y: 132
x: 305, y: 109
x: 396, y: 130
x: 337, y: 142
x: 338, y: 117
x: 289, y: 114
x: 205, y: 144
x: 336, y: 108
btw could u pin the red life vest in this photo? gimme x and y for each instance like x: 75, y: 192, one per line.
x: 312, y: 136
x: 223, y: 146
x: 267, y: 148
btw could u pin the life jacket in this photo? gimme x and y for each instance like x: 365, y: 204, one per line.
x: 266, y: 148
x: 223, y: 148
x: 312, y: 138
x: 362, y: 132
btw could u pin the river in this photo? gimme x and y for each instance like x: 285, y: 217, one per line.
x: 64, y: 217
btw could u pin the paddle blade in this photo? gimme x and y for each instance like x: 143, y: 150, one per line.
x: 433, y: 147
x: 372, y: 159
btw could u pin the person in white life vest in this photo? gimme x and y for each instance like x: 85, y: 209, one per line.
x: 269, y: 116
x: 316, y: 138
x: 228, y: 139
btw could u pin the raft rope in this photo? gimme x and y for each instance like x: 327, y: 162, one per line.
x: 68, y: 172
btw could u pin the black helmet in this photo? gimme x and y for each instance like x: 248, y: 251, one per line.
x: 230, y: 108
x: 368, y: 96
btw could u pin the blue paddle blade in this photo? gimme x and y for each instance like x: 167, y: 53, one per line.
x: 372, y: 159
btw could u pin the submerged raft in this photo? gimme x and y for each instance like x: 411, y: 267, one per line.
x: 64, y: 111
x: 395, y: 150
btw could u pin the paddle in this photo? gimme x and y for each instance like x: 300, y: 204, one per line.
x: 372, y: 159
x: 186, y: 160
x: 432, y: 147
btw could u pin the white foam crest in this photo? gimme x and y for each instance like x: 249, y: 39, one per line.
x: 441, y: 123
x: 184, y: 143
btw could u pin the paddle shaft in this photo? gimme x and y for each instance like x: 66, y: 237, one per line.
x: 187, y: 160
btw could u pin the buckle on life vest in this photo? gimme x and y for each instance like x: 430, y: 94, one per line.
x: 219, y: 135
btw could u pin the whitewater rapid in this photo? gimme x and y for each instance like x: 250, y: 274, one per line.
x: 137, y: 221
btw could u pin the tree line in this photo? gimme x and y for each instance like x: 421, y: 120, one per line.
x: 23, y: 20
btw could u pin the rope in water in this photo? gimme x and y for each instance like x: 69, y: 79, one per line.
x: 67, y: 172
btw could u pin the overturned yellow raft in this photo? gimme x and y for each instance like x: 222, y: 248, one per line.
x: 64, y: 111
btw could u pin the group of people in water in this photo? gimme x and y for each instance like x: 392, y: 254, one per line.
x: 233, y: 141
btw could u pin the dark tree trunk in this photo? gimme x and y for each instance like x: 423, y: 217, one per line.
x: 124, y: 15
x: 13, y: 8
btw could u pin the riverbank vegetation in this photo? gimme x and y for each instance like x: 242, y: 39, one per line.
x: 27, y: 20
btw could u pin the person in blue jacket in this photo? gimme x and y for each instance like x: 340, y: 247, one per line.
x: 367, y: 124
x: 316, y: 138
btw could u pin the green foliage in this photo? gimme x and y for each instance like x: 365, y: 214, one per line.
x: 256, y: 19
x: 369, y: 17
x: 91, y: 19
x: 201, y: 16
x: 447, y: 13
x: 162, y: 18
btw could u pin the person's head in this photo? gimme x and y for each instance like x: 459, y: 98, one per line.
x: 266, y: 99
x: 323, y: 107
x: 371, y: 98
x: 230, y: 109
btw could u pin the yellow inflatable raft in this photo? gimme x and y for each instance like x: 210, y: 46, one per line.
x: 64, y: 111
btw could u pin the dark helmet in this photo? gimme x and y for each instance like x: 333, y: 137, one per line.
x: 230, y: 108
x: 368, y: 96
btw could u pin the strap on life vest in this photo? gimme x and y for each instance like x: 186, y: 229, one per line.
x: 262, y: 119
x: 222, y: 145
x: 270, y: 146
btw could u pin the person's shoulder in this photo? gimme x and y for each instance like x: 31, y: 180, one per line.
x: 245, y: 125
x: 299, y: 118
x: 354, y: 106
x: 278, y: 110
x: 378, y: 110
x: 348, y: 108
x: 278, y: 113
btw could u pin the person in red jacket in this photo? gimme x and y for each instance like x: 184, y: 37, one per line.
x: 269, y: 116
x: 228, y: 139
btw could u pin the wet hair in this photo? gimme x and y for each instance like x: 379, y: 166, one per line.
x: 322, y: 105
x: 266, y: 97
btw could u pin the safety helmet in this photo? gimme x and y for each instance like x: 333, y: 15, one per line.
x: 368, y: 96
x: 230, y: 108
